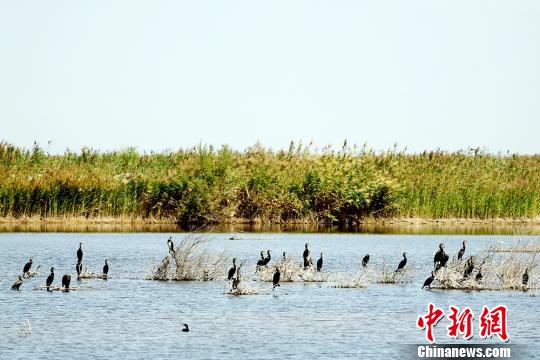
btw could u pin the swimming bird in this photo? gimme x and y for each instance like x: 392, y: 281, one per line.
x: 232, y: 270
x: 429, y: 280
x: 106, y: 269
x: 525, y: 278
x: 479, y: 276
x: 307, y: 257
x: 27, y: 266
x: 319, y: 263
x: 50, y: 279
x: 185, y: 329
x: 17, y: 284
x: 261, y: 260
x: 267, y: 259
x: 78, y: 268
x: 365, y: 260
x: 80, y: 253
x: 403, y: 262
x: 66, y: 280
x: 170, y: 244
x: 438, y: 256
x: 462, y: 250
x: 275, y: 279
x: 469, y: 267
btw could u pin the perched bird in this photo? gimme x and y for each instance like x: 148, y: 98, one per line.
x: 365, y: 260
x: 17, y: 284
x: 185, y: 329
x: 439, y: 255
x: 79, y: 253
x: 232, y: 270
x: 50, y: 279
x: 429, y: 280
x: 319, y: 263
x: 307, y: 257
x: 66, y: 280
x: 443, y: 261
x: 462, y: 250
x: 27, y: 266
x: 170, y: 244
x: 525, y: 278
x: 236, y: 280
x: 78, y: 268
x: 267, y: 259
x: 106, y: 269
x: 261, y: 260
x: 479, y: 276
x: 284, y: 256
x: 402, y: 263
x: 275, y: 279
x: 469, y: 267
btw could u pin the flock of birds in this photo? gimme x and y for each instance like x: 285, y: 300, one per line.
x: 66, y: 279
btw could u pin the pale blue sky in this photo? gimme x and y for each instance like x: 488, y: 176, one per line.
x: 167, y: 74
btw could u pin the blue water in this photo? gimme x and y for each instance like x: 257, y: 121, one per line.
x: 133, y: 318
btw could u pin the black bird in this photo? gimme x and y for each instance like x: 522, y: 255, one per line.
x: 79, y: 253
x: 469, y: 267
x: 275, y: 279
x: 319, y: 263
x: 232, y: 270
x: 439, y: 255
x: 284, y: 256
x: 78, y: 268
x: 462, y: 250
x: 267, y: 259
x: 403, y: 262
x: 27, y: 266
x: 479, y: 276
x: 429, y: 280
x: 106, y: 269
x: 50, y: 279
x: 185, y: 329
x: 261, y: 260
x: 66, y: 280
x: 525, y: 278
x: 170, y: 244
x: 307, y: 257
x: 236, y: 280
x: 443, y: 261
x: 365, y: 260
x: 17, y: 284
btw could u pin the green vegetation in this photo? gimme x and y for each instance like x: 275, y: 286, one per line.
x: 204, y: 185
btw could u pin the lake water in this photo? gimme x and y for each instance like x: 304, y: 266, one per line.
x: 129, y: 317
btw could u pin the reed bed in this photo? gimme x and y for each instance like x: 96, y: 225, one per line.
x: 519, y: 247
x: 344, y: 281
x: 204, y: 184
x: 192, y: 261
x: 290, y: 269
x: 389, y: 275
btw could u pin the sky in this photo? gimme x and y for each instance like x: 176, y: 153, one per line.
x: 160, y: 75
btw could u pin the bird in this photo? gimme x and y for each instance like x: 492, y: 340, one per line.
x: 66, y: 279
x: 439, y: 255
x: 525, y: 278
x: 469, y: 267
x: 443, y: 261
x: 185, y: 329
x: 462, y: 250
x: 261, y: 260
x: 79, y: 253
x: 307, y: 257
x: 236, y: 280
x: 50, y: 279
x: 27, y: 266
x: 479, y: 276
x: 17, y: 284
x: 170, y: 244
x: 275, y: 279
x: 232, y: 270
x: 429, y: 280
x: 78, y: 268
x: 365, y: 260
x: 319, y: 263
x: 402, y: 263
x: 267, y: 259
x: 106, y: 269
x: 284, y: 256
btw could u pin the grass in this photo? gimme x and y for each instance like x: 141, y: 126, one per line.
x: 204, y: 185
